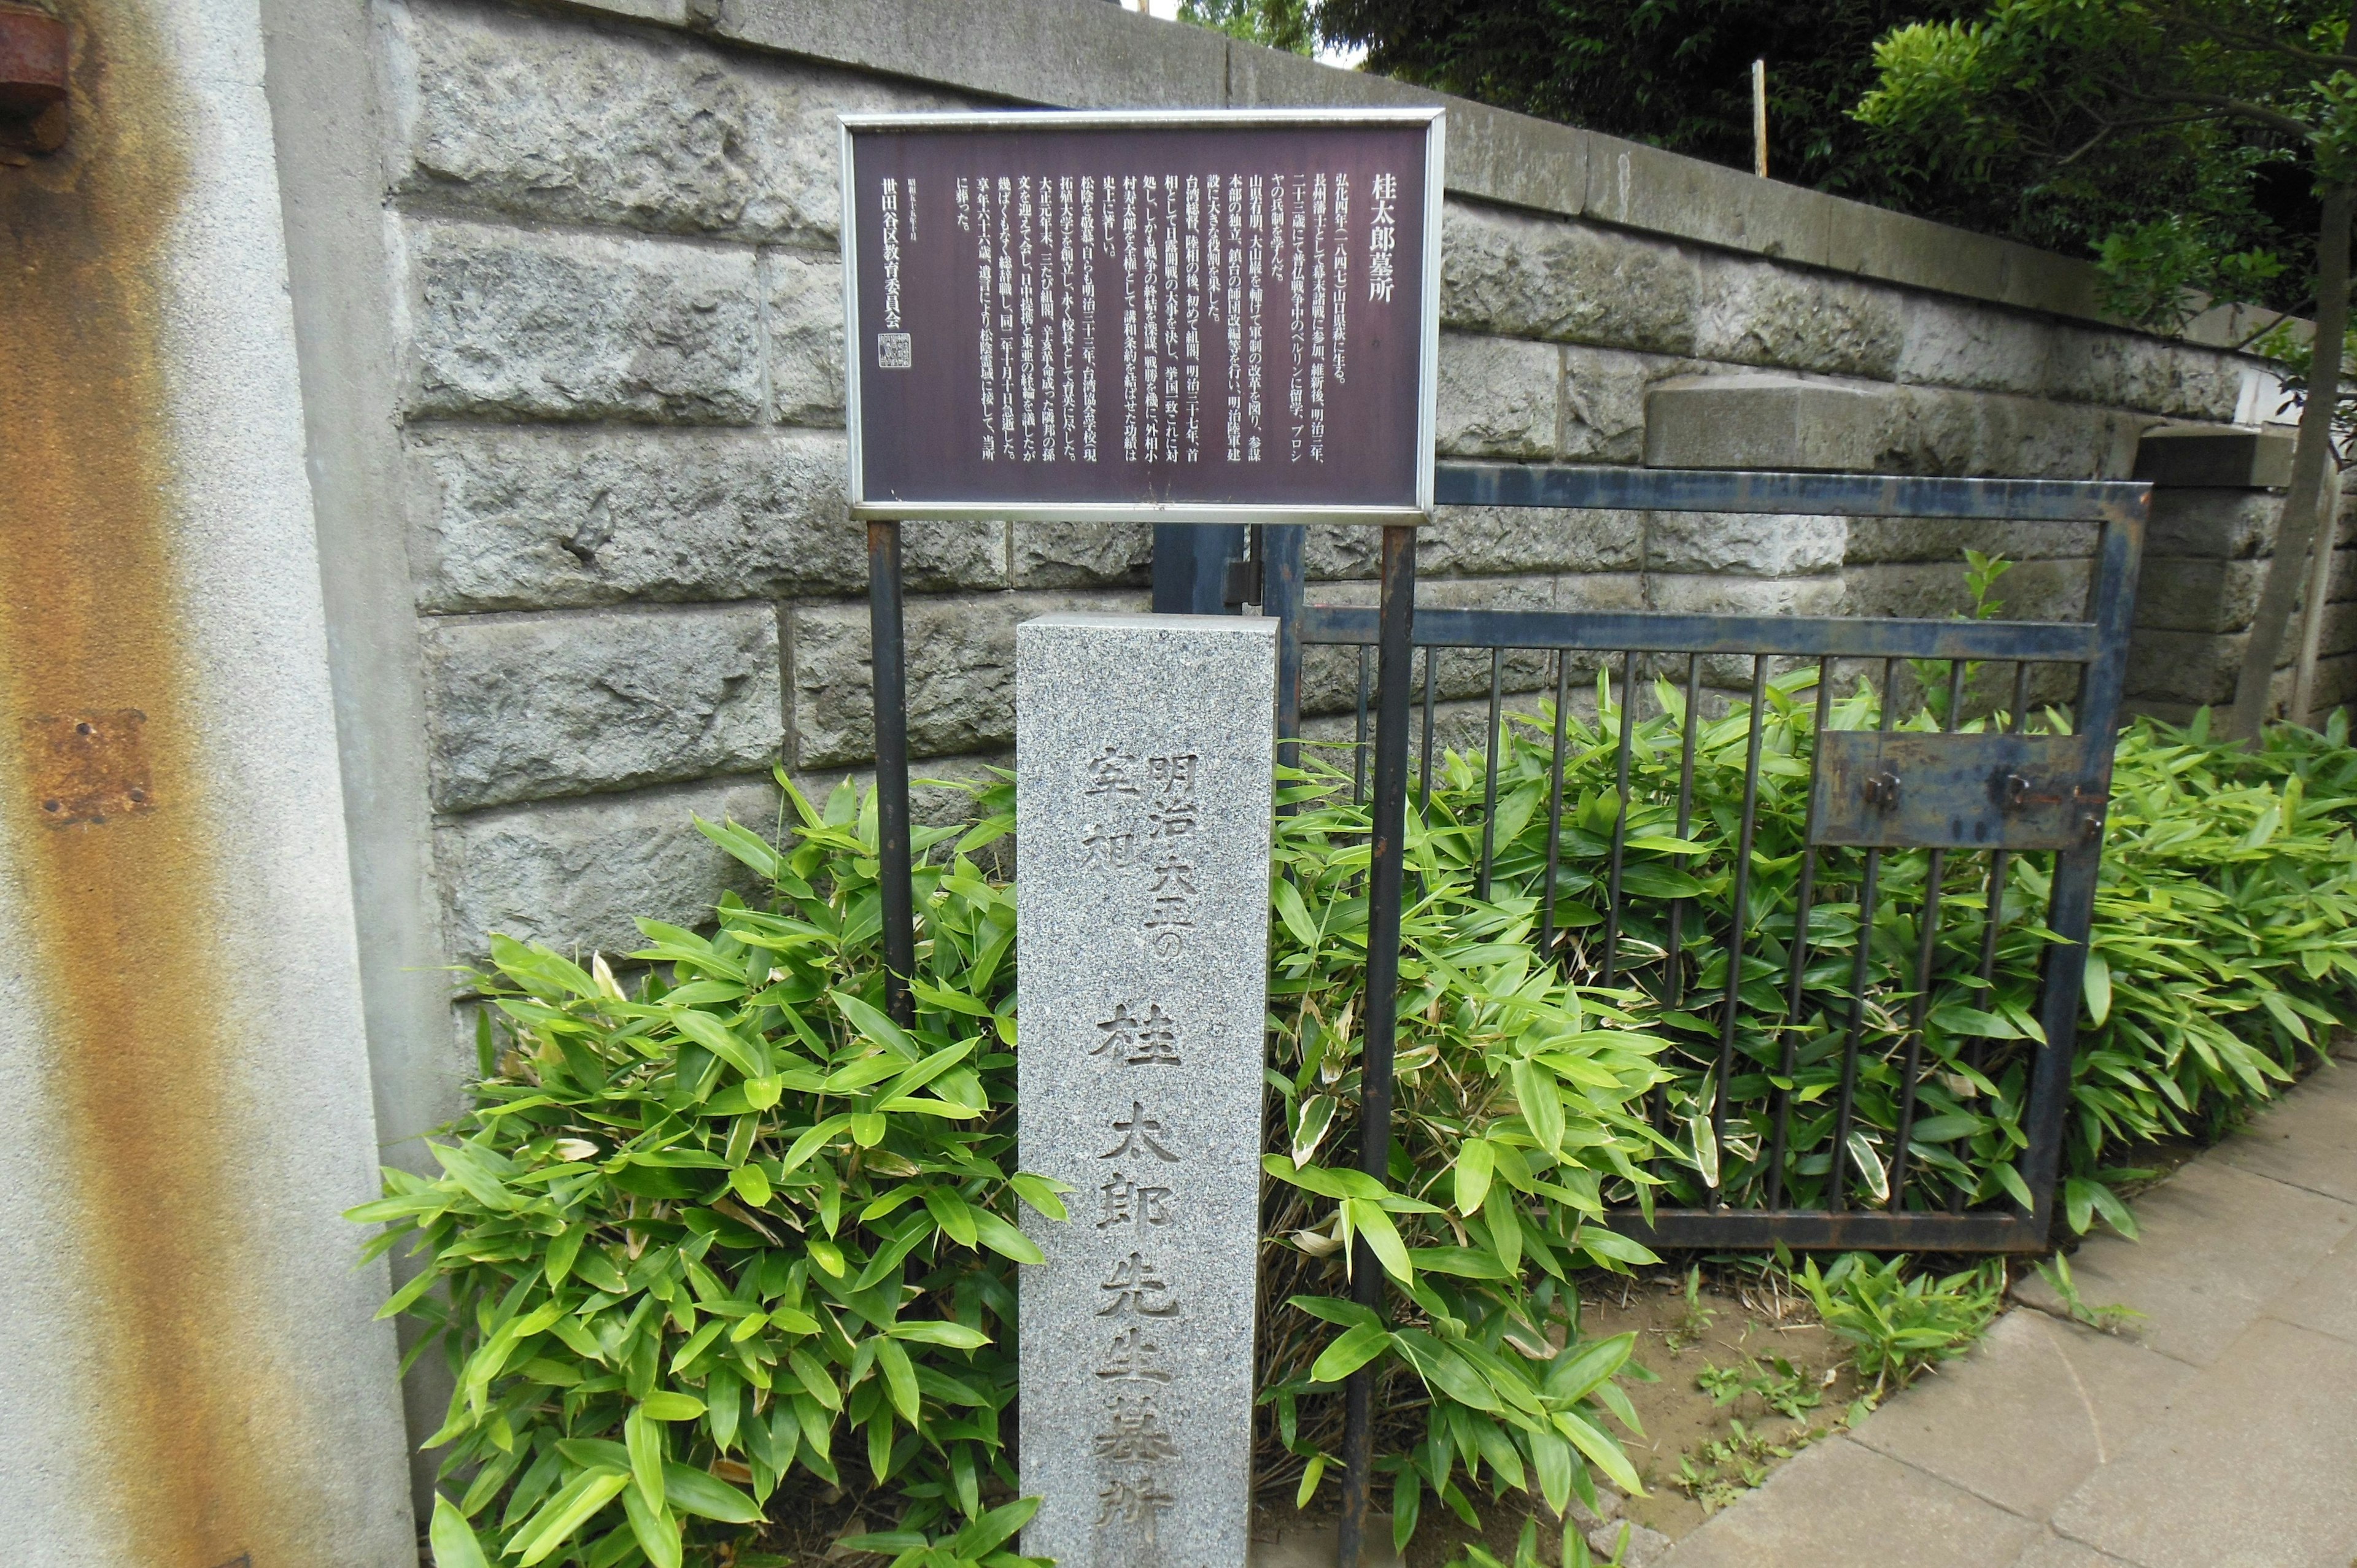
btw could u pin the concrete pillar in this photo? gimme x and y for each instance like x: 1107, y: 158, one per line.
x: 192, y: 1376
x: 2217, y: 499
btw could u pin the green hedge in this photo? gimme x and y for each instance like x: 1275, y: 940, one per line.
x: 730, y: 1228
x: 2221, y: 944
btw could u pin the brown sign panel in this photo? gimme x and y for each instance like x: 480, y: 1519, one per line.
x: 1212, y: 317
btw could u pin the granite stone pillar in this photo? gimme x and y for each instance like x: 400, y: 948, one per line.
x: 1143, y: 757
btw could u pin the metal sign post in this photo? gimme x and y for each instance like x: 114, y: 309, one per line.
x: 1213, y: 317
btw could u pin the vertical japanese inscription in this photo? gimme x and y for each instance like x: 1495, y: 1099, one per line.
x: 1143, y: 755
x: 1166, y: 317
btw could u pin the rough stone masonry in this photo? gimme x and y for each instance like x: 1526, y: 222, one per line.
x: 568, y: 320
x: 1144, y: 759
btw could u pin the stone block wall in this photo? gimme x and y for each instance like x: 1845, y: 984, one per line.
x: 618, y: 319
x: 2205, y: 560
x: 621, y: 408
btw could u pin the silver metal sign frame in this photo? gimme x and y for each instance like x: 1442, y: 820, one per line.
x: 1432, y: 119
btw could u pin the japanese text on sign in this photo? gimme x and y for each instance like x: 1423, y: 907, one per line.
x: 1227, y: 313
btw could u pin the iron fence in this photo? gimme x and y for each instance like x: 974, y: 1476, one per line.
x: 1888, y: 810
x: 1963, y: 817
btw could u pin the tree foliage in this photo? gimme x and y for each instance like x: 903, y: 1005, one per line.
x: 1673, y: 73
x: 2170, y: 136
x: 1279, y: 23
x: 2014, y: 119
x: 2150, y: 122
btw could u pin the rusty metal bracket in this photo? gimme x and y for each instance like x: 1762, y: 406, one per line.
x: 1916, y: 789
x: 34, y: 60
x: 89, y: 768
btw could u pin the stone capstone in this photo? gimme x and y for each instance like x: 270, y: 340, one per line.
x: 2208, y: 458
x: 1759, y: 421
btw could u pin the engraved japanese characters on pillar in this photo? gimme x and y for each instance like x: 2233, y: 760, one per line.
x: 1143, y: 763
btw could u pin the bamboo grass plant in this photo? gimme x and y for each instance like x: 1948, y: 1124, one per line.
x: 730, y: 1229
x: 2222, y: 948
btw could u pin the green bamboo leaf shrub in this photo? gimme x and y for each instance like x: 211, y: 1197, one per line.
x: 1901, y: 1323
x: 731, y: 1225
x: 1520, y: 1099
x: 2221, y: 944
x: 728, y: 1229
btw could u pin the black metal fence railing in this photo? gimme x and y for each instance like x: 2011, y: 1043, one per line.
x: 1970, y: 808
x: 1886, y: 810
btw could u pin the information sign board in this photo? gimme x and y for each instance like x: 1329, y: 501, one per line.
x: 1210, y: 317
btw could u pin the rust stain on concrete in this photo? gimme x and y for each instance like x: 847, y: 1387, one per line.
x: 104, y: 806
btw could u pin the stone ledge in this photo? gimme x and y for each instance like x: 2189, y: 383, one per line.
x: 2187, y: 457
x: 1750, y: 421
x: 1087, y: 54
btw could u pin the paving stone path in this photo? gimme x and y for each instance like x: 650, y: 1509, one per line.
x: 2220, y: 1431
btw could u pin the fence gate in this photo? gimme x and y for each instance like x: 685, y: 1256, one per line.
x: 1895, y: 818
x: 1816, y: 1119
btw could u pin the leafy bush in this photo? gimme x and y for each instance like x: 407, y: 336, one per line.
x: 733, y: 1224
x: 1520, y: 1098
x: 1901, y: 1323
x: 2221, y: 944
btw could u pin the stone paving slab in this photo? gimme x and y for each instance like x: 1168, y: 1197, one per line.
x: 2218, y: 1433
x: 1842, y: 1505
x: 2251, y: 1467
x: 2308, y: 1138
x: 2327, y: 1300
x: 2052, y: 1551
x: 2218, y: 1243
x: 2035, y: 1409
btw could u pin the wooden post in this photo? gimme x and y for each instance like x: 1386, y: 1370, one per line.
x: 1760, y: 118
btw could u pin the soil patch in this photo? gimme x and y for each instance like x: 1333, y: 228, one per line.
x: 1732, y: 1362
x: 1721, y: 1360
